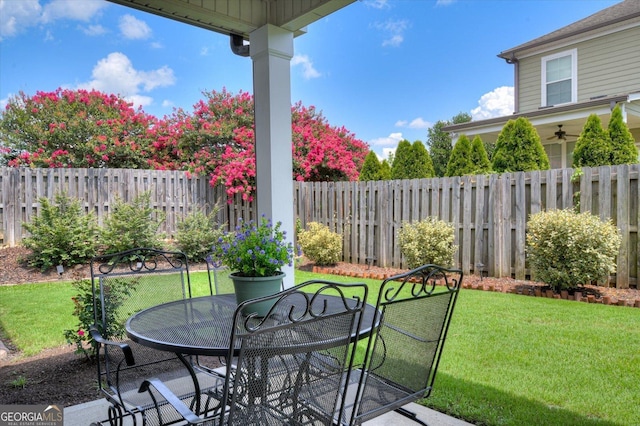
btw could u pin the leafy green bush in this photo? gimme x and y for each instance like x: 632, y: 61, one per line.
x: 427, y: 241
x: 197, y: 233
x: 518, y: 148
x: 566, y: 249
x: 371, y: 168
x: 460, y: 162
x: 62, y: 234
x: 593, y: 147
x: 83, y: 309
x: 320, y: 245
x: 132, y: 225
x: 623, y: 146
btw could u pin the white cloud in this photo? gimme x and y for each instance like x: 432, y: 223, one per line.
x: 308, y: 71
x: 497, y: 103
x: 4, y: 102
x: 386, y: 153
x: 391, y: 140
x: 139, y: 100
x: 377, y: 4
x: 393, y: 30
x: 71, y: 9
x: 94, y: 30
x: 17, y: 15
x: 416, y: 123
x: 116, y: 74
x: 445, y: 2
x: 133, y: 28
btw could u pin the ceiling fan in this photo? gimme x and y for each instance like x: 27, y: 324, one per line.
x: 560, y: 134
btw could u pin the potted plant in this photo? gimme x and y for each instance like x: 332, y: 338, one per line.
x: 255, y: 252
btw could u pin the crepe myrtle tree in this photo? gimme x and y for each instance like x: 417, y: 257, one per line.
x: 78, y: 128
x: 218, y: 139
x: 73, y: 128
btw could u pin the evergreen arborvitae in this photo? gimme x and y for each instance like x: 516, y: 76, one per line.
x: 518, y: 148
x: 422, y: 165
x: 370, y: 168
x: 439, y: 147
x: 479, y: 156
x: 460, y: 163
x: 401, y: 167
x: 385, y: 170
x: 623, y: 146
x: 439, y: 142
x: 593, y: 147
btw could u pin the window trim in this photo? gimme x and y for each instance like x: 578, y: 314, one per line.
x: 574, y: 76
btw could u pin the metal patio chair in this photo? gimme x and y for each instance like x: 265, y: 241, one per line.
x: 219, y: 281
x: 401, y: 362
x: 289, y: 364
x: 123, y: 284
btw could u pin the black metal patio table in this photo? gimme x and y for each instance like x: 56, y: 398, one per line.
x: 201, y: 325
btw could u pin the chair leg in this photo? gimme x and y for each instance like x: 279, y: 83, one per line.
x: 411, y: 415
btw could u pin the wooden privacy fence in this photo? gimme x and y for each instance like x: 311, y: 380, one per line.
x: 172, y: 192
x: 489, y: 213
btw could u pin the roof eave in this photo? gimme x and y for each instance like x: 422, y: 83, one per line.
x: 608, y: 100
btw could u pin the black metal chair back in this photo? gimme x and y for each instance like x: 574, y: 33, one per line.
x: 290, y: 364
x: 402, y: 360
x: 219, y: 280
x: 123, y: 284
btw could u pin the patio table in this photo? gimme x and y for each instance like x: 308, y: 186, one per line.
x: 201, y: 325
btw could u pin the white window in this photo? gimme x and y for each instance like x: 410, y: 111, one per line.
x: 560, y: 78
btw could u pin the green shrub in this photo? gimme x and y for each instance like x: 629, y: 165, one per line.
x: 320, y: 245
x: 427, y: 241
x: 370, y: 168
x: 132, y: 225
x: 460, y: 162
x: 61, y: 234
x: 566, y: 249
x: 623, y: 146
x: 593, y: 147
x: 518, y: 148
x: 197, y: 233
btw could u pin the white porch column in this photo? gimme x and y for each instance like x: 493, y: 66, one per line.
x: 271, y: 50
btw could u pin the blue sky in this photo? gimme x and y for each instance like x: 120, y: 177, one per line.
x: 385, y: 69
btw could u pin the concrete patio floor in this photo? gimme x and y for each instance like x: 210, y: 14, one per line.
x: 89, y: 412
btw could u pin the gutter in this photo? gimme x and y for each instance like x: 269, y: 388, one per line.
x: 237, y: 45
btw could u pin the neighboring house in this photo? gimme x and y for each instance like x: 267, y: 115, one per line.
x: 561, y: 78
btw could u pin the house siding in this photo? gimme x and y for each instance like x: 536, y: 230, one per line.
x: 595, y: 59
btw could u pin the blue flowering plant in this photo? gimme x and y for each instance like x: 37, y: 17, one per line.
x: 254, y: 249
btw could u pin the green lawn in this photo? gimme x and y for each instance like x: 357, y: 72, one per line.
x: 508, y: 360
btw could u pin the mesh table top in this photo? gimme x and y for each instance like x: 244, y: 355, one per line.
x: 198, y: 326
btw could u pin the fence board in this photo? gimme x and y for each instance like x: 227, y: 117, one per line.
x: 520, y: 222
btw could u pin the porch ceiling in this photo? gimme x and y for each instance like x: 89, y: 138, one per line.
x: 240, y: 17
